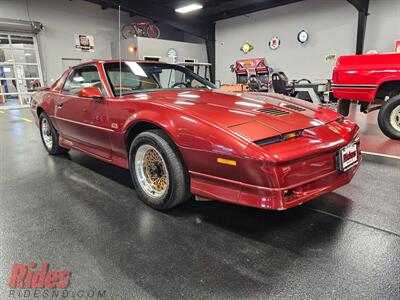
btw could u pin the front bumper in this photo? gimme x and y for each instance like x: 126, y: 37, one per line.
x: 287, y: 197
x: 279, y: 198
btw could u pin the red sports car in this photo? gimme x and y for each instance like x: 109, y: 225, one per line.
x: 180, y: 136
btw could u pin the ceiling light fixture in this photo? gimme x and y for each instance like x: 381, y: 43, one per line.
x: 188, y: 8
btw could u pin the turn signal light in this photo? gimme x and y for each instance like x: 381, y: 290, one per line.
x: 279, y: 138
x: 224, y: 161
x: 290, y: 135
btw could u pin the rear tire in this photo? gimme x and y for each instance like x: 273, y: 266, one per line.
x: 50, y: 136
x: 389, y: 118
x: 158, y: 172
x: 343, y: 107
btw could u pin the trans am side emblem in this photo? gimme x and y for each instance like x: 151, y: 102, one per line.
x: 246, y: 48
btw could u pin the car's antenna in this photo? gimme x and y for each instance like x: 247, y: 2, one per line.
x: 119, y: 50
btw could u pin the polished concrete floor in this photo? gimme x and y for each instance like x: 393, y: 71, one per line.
x: 78, y: 213
x: 373, y: 140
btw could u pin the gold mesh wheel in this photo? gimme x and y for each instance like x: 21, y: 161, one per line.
x: 151, y: 171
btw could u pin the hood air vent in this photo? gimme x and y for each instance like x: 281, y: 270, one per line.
x: 294, y: 107
x: 273, y: 111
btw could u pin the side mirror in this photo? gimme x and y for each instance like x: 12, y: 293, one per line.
x: 232, y: 68
x: 91, y: 92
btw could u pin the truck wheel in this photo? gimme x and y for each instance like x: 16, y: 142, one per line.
x: 343, y: 107
x: 389, y: 118
x: 158, y: 171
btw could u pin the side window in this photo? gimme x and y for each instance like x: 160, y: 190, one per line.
x: 80, y: 78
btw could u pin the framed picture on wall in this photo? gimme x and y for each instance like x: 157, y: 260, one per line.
x: 84, y: 43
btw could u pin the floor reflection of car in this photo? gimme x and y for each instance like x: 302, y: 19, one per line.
x: 179, y: 136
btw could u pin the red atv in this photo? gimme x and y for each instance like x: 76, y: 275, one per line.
x: 373, y: 81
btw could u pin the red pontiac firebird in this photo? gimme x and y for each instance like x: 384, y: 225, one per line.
x: 180, y: 136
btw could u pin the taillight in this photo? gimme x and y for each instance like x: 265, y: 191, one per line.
x: 335, y: 77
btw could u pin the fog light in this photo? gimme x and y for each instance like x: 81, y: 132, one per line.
x: 264, y: 202
x: 288, y: 193
x: 291, y: 135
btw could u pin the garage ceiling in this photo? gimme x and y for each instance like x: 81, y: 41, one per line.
x: 196, y: 22
x: 214, y: 10
x: 201, y: 23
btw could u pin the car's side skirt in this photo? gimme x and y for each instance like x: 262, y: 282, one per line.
x: 115, y: 160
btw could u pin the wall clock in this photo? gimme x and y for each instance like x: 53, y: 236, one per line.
x: 274, y: 43
x: 302, y: 37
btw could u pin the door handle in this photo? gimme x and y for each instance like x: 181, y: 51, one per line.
x: 59, y: 105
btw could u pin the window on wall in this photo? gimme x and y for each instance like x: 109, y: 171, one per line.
x: 70, y: 62
x: 152, y: 58
x: 190, y: 60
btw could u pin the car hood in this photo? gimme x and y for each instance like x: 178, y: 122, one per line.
x: 252, y: 115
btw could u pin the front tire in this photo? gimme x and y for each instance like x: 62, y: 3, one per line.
x: 50, y: 136
x: 389, y: 118
x: 158, y: 172
x: 343, y: 107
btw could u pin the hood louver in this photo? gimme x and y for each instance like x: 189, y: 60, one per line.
x: 273, y: 111
x: 294, y: 107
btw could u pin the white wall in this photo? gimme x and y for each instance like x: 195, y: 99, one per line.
x: 157, y: 47
x: 63, y: 18
x: 332, y: 25
x: 383, y: 25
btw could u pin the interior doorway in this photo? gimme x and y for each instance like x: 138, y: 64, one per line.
x: 20, y: 69
x: 70, y: 62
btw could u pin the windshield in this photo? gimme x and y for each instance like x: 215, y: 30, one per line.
x: 140, y: 76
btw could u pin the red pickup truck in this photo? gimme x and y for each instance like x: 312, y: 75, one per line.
x: 373, y: 81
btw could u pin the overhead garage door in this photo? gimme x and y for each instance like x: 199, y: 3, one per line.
x: 20, y: 71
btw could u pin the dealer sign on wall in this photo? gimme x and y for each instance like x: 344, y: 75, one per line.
x: 274, y: 43
x: 84, y: 43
